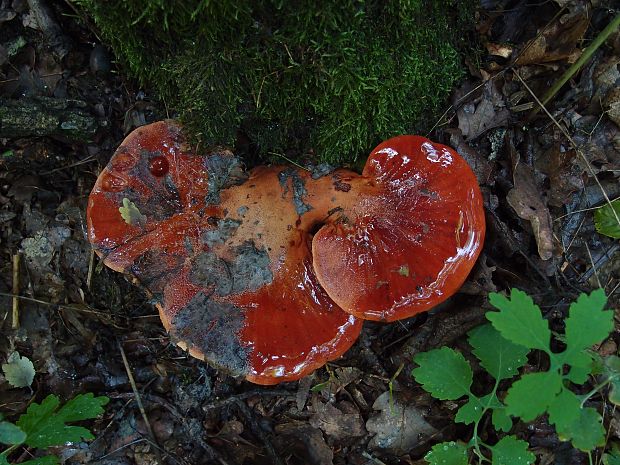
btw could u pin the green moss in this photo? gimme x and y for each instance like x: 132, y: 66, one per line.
x: 293, y: 76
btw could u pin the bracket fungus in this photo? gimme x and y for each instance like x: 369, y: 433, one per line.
x: 268, y: 274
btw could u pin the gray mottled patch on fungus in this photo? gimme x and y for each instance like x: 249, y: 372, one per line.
x: 298, y: 189
x: 153, y: 269
x: 249, y: 270
x: 225, y: 228
x: 213, y: 329
x: 320, y: 170
x: 211, y: 272
x: 224, y: 170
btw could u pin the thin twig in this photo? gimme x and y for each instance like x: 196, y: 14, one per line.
x: 15, y: 313
x: 50, y: 304
x: 139, y: 402
x: 292, y: 162
x: 593, y: 266
x: 91, y: 267
x: 585, y: 56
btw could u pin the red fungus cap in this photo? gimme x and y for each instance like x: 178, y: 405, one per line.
x: 228, y: 260
x: 407, y: 237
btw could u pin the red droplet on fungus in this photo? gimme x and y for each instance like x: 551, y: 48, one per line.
x: 158, y: 166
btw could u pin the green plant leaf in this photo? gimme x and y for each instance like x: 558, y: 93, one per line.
x: 586, y: 433
x: 3, y: 460
x: 500, y: 357
x: 447, y: 453
x: 612, y: 371
x: 18, y: 371
x: 512, y: 451
x: 11, y: 434
x: 45, y: 425
x: 520, y: 320
x: 469, y: 412
x: 131, y: 214
x: 444, y: 373
x: 82, y: 407
x: 565, y: 409
x: 587, y: 323
x: 612, y: 457
x: 531, y: 395
x: 581, y: 367
x: 47, y: 460
x: 605, y: 221
x: 501, y: 420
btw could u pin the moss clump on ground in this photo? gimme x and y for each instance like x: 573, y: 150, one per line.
x: 336, y: 76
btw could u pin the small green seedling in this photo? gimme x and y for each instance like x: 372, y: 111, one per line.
x: 502, y: 348
x: 45, y: 424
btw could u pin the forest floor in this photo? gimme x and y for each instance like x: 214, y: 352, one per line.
x: 541, y: 176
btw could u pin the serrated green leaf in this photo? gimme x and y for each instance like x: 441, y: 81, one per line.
x: 586, y: 433
x: 531, y: 395
x: 611, y: 368
x: 3, y: 460
x: 447, y: 453
x: 18, y: 371
x: 565, y: 409
x: 612, y: 457
x: 614, y: 392
x: 11, y: 434
x: 444, y: 373
x: 581, y: 367
x: 588, y: 323
x: 47, y: 460
x: 520, y: 320
x: 469, y: 412
x: 82, y: 407
x: 501, y: 420
x: 612, y: 365
x: 45, y: 426
x: 512, y: 451
x: 605, y: 221
x: 131, y: 214
x: 499, y: 356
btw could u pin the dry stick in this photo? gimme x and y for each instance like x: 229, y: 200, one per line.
x: 15, y: 314
x: 585, y: 56
x: 139, y: 402
x: 50, y: 304
x: 91, y: 267
x: 577, y: 149
x: 593, y: 266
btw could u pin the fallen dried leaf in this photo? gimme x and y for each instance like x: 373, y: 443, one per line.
x: 399, y: 427
x: 526, y: 200
x: 304, y: 442
x: 490, y: 112
x: 557, y: 41
x: 334, y: 423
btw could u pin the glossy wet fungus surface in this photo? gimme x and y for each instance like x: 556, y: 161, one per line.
x: 266, y: 274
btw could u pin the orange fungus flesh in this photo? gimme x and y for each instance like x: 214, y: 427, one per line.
x: 227, y: 259
x: 267, y: 274
x: 409, y: 242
